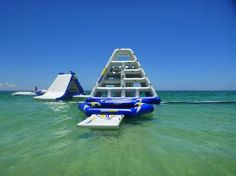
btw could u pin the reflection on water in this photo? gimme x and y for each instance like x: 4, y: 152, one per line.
x: 58, y: 106
x: 61, y: 132
x: 98, y: 133
x: 141, y: 120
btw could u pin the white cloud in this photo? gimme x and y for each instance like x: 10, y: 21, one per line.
x: 7, y: 86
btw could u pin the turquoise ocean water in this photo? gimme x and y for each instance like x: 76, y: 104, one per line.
x: 181, y: 137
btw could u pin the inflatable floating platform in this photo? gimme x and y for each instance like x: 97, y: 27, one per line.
x: 108, y: 113
x: 126, y: 107
x: 102, y: 121
x: 123, y: 88
x: 36, y: 92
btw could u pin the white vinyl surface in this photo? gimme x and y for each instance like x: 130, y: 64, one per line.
x: 57, y: 88
x: 24, y: 94
x: 102, y: 121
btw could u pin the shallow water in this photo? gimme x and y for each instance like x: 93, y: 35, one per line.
x: 41, y: 138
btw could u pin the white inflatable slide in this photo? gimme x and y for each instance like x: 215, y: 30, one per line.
x: 65, y: 86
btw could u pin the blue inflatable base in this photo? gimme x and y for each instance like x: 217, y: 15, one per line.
x: 124, y: 106
x: 148, y: 100
x: 128, y: 112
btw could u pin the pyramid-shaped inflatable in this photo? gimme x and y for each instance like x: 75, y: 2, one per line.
x: 123, y: 76
x: 122, y: 90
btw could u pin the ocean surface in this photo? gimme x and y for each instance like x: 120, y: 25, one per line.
x: 190, y: 133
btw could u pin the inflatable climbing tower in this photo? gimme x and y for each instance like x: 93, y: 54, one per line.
x: 122, y: 90
x: 123, y: 76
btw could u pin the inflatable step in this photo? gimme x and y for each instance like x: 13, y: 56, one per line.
x: 103, y: 121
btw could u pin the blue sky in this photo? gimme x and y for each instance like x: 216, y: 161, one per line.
x: 182, y: 44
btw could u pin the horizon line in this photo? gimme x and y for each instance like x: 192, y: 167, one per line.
x: 155, y: 90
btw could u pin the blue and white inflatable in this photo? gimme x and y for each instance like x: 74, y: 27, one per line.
x: 127, y: 107
x: 64, y: 87
x: 123, y: 88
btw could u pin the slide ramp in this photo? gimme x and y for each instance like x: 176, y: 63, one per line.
x: 65, y: 86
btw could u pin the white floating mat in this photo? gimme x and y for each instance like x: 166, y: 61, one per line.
x: 24, y: 94
x: 102, y: 121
